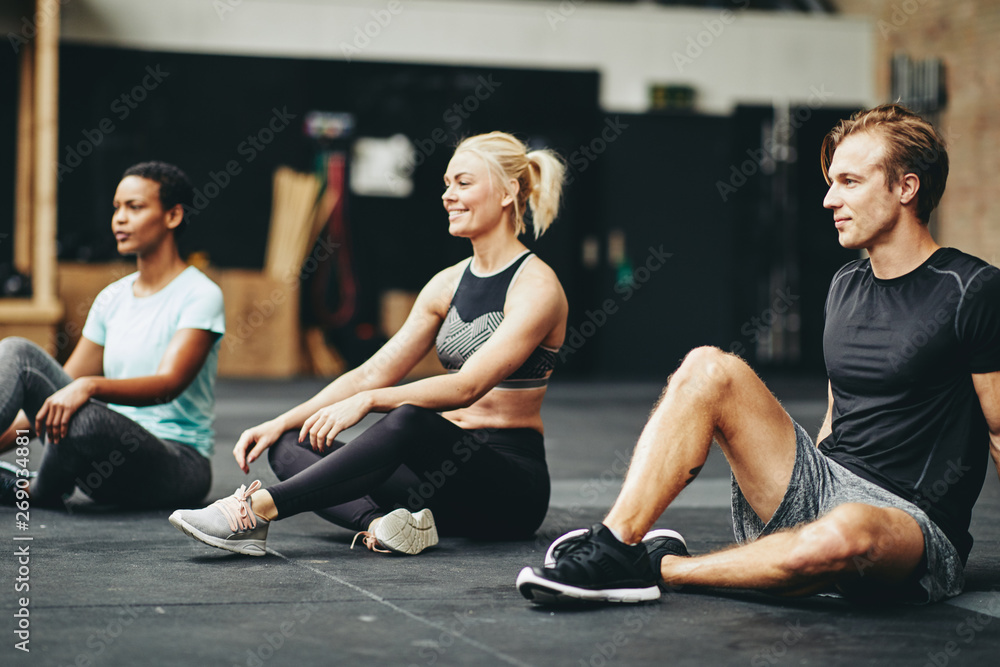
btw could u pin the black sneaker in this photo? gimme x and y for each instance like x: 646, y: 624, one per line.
x: 560, y: 544
x: 592, y: 567
x: 663, y: 542
x: 8, y: 482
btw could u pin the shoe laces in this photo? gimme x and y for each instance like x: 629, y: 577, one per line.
x: 370, y: 541
x: 577, y: 548
x: 236, y: 508
x: 567, y: 546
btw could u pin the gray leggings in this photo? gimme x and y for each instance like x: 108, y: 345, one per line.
x: 108, y: 456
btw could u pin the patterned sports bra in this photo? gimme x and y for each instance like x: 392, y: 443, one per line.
x: 475, y: 313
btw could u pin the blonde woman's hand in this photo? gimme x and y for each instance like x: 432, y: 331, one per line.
x: 257, y: 440
x: 326, y: 424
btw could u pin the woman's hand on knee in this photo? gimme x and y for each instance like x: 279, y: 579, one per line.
x: 256, y: 440
x: 326, y: 424
x: 53, y: 419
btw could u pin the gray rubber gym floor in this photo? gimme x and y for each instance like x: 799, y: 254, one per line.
x: 110, y: 587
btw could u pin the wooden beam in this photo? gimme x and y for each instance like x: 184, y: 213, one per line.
x: 46, y: 155
x: 26, y: 311
x: 37, y: 177
x: 23, y: 197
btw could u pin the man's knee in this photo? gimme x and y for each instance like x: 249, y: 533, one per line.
x: 838, y: 542
x: 706, y: 369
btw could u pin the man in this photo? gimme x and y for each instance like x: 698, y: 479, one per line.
x: 881, y: 508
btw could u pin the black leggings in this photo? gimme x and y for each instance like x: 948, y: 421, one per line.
x: 486, y: 483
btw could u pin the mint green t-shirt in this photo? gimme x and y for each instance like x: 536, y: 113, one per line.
x: 135, y: 333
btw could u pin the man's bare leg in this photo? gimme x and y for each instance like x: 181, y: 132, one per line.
x: 712, y: 395
x: 850, y: 543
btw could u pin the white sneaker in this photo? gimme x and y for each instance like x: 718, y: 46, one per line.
x: 401, y: 532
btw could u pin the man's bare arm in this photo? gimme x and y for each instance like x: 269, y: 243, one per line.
x: 988, y: 389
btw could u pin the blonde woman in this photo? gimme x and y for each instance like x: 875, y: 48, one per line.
x: 461, y: 453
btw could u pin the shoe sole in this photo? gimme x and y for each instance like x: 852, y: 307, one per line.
x: 245, y: 547
x: 405, y: 533
x: 545, y: 591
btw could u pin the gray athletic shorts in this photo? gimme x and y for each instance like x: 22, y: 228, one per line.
x: 818, y: 485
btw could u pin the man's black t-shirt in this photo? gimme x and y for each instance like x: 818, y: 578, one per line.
x: 900, y: 354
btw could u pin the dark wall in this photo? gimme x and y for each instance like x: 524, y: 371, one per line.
x: 640, y: 316
x: 787, y: 244
x: 200, y: 111
x: 8, y: 140
x: 706, y: 250
x: 230, y: 121
x: 738, y: 205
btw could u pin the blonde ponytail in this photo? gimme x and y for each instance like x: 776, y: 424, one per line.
x: 547, y: 171
x: 539, y: 175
